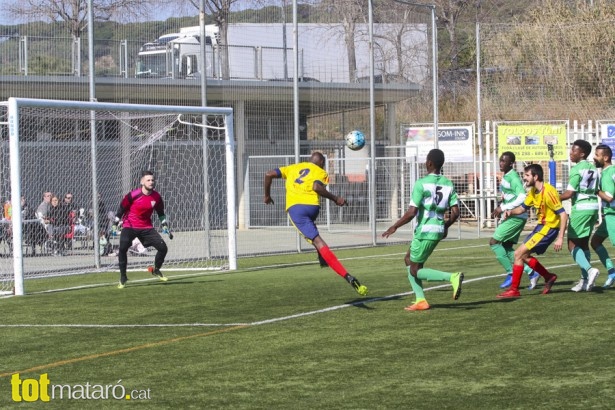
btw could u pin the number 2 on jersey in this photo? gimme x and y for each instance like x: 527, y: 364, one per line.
x: 302, y: 174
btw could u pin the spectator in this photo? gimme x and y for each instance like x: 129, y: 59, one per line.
x: 59, y: 221
x: 42, y: 212
x: 26, y: 211
x: 103, y: 220
x: 68, y: 202
x: 8, y: 210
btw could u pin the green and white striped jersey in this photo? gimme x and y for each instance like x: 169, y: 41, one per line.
x: 513, y: 192
x: 607, y: 185
x: 432, y: 195
x: 584, y: 179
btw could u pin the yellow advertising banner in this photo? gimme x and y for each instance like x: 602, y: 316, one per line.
x: 530, y: 142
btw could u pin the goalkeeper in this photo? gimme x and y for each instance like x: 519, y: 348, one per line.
x: 135, y: 216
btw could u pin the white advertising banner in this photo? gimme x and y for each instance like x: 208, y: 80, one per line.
x: 457, y: 142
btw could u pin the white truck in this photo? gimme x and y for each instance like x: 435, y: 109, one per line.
x: 264, y: 51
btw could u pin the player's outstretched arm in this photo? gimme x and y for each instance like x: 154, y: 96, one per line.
x: 407, y: 217
x: 515, y: 211
x: 269, y: 175
x: 320, y: 189
x: 566, y: 195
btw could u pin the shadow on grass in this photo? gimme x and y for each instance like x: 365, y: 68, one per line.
x: 471, y: 305
x: 362, y: 302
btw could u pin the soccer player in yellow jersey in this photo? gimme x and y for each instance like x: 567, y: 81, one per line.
x: 552, y: 222
x: 305, y: 183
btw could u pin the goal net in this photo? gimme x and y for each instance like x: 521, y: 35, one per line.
x: 95, y: 153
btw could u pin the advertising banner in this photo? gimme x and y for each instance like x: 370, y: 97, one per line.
x: 607, y: 130
x: 456, y: 142
x: 529, y: 142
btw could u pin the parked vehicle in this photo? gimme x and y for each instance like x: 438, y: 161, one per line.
x: 264, y: 52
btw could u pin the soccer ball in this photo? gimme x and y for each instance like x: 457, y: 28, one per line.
x: 355, y: 140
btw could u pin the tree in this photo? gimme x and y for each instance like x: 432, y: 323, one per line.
x: 74, y: 13
x: 349, y: 13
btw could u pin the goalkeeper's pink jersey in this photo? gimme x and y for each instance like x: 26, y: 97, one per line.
x: 138, y: 209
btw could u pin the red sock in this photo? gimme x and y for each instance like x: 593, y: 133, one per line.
x: 332, y: 260
x: 516, y: 277
x: 542, y: 271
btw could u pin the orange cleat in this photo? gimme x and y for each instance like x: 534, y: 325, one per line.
x: 422, y: 305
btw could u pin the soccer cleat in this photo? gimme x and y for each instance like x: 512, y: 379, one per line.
x: 322, y: 261
x: 421, y: 305
x: 533, y: 280
x: 122, y: 283
x: 361, y: 289
x: 609, y: 281
x: 156, y: 272
x: 592, y: 274
x: 549, y: 284
x: 581, y: 285
x: 510, y: 293
x: 507, y: 281
x: 456, y: 280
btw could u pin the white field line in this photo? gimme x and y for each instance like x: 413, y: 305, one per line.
x: 260, y: 322
x: 190, y: 275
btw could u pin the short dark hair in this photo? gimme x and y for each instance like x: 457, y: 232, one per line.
x: 536, y: 170
x: 510, y: 155
x: 585, y: 146
x: 437, y: 157
x: 146, y: 172
x: 606, y: 149
x: 317, y: 155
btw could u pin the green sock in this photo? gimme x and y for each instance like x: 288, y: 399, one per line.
x: 502, y: 256
x: 604, y: 257
x: 417, y: 286
x: 578, y: 255
x: 432, y: 275
x: 527, y: 269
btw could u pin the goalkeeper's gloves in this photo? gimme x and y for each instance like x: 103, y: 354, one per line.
x: 165, y: 228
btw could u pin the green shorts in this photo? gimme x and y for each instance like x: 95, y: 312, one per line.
x: 607, y: 228
x: 581, y: 224
x: 420, y: 249
x: 509, y: 230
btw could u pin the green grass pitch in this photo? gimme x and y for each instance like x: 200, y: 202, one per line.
x: 283, y: 333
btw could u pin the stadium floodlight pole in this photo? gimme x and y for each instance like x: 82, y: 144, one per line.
x: 434, y: 63
x: 481, y: 141
x: 202, y: 57
x: 92, y: 84
x: 206, y: 199
x: 372, y: 126
x: 284, y: 46
x: 296, y: 96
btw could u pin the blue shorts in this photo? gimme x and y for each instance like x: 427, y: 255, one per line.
x: 541, y: 237
x: 303, y: 217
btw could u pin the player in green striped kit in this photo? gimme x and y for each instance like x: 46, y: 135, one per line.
x: 602, y: 159
x: 581, y: 190
x: 507, y: 233
x: 432, y: 196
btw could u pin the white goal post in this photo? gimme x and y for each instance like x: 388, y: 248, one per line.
x: 96, y: 152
